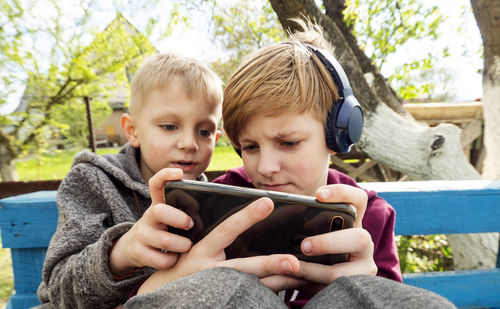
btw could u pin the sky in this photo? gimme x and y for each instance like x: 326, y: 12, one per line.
x: 463, y: 64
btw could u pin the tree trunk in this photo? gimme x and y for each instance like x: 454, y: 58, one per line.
x: 7, y: 166
x: 7, y: 156
x: 487, y: 15
x: 391, y: 136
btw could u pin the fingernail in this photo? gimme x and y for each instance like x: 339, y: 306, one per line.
x: 324, y: 193
x: 286, y: 267
x: 190, y: 224
x: 263, y: 206
x: 306, y: 246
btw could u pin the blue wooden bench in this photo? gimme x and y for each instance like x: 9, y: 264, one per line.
x: 439, y: 207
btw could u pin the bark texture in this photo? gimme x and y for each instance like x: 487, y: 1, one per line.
x: 487, y: 13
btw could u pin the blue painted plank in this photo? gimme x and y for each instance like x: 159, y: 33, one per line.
x: 23, y: 301
x: 27, y: 264
x: 472, y: 288
x: 445, y: 213
x: 28, y: 220
x: 442, y: 207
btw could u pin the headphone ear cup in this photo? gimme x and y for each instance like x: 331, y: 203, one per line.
x: 344, y: 125
x: 331, y: 129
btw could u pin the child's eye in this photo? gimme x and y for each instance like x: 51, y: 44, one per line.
x: 206, y: 133
x: 249, y: 147
x: 290, y: 143
x: 169, y: 127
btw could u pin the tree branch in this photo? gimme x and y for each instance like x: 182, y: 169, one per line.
x: 334, y: 10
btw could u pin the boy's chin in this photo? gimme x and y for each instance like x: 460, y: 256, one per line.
x: 191, y: 175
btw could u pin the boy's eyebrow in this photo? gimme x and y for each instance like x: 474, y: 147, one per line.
x: 286, y: 133
x: 245, y: 140
x: 278, y: 135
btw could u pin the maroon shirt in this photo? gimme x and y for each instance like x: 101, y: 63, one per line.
x: 378, y: 220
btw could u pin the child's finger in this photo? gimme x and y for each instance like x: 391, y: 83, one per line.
x: 278, y: 283
x: 355, y: 240
x: 324, y: 274
x: 157, y: 259
x: 185, y: 202
x: 339, y: 193
x: 169, y: 242
x: 161, y: 214
x: 157, y: 182
x: 265, y: 265
x: 226, y: 232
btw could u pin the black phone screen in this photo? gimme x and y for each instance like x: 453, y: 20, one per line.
x: 294, y: 218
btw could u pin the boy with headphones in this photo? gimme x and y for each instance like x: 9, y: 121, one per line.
x: 286, y: 109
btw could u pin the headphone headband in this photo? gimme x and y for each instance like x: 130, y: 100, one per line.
x: 345, y: 120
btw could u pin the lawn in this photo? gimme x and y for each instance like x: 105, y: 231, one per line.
x: 56, y: 165
x: 6, y: 276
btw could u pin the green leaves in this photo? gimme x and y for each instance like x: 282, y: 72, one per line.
x: 384, y: 26
x: 241, y: 27
x: 424, y: 253
x: 61, y: 65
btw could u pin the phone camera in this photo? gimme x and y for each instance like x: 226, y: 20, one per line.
x: 297, y: 241
x: 337, y: 223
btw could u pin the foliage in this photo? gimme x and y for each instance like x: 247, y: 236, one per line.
x: 235, y: 27
x: 417, y: 80
x: 52, y: 106
x: 240, y: 28
x: 383, y: 26
x: 424, y: 253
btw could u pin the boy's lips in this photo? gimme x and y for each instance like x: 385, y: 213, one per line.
x: 185, y: 166
x: 275, y: 187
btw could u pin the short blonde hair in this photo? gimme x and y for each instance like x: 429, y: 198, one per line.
x: 160, y: 70
x: 283, y: 77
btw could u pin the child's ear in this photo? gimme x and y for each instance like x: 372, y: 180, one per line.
x: 130, y: 130
x: 217, y: 135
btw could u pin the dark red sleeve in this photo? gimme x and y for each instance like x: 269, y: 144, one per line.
x: 379, y: 221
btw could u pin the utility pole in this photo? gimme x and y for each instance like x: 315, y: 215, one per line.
x: 89, y: 124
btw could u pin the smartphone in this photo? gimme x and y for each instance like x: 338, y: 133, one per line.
x: 294, y: 218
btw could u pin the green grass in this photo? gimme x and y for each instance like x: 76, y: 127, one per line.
x: 57, y: 165
x: 224, y: 158
x: 50, y: 166
x: 6, y: 276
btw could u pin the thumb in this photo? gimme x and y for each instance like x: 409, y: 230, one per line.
x: 157, y: 182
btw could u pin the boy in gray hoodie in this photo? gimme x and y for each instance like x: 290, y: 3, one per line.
x: 112, y: 232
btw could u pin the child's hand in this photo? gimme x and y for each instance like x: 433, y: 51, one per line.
x: 209, y: 252
x: 142, y: 245
x: 356, y: 242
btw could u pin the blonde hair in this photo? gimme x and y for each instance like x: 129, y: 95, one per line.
x: 160, y: 70
x: 283, y: 77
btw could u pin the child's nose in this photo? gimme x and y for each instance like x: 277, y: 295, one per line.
x: 187, y: 142
x: 268, y: 164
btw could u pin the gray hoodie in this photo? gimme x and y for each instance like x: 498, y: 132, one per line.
x: 97, y: 205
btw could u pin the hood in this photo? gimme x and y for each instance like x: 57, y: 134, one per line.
x: 122, y: 166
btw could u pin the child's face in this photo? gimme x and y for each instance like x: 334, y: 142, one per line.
x: 174, y: 130
x: 285, y: 153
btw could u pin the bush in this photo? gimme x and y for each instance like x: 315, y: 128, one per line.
x: 424, y: 253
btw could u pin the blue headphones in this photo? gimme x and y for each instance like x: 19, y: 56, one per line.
x: 344, y: 122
